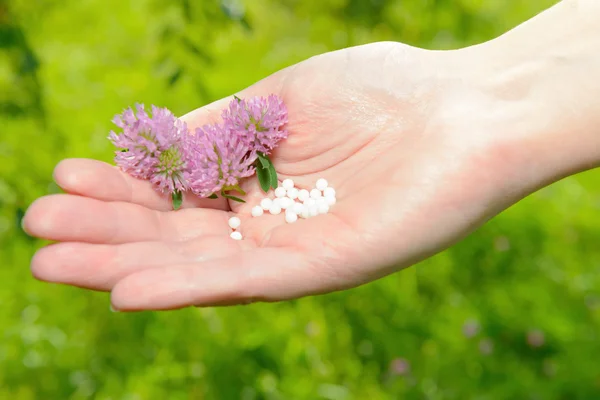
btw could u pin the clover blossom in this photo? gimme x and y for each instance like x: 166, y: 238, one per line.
x: 211, y: 160
x: 259, y: 121
x: 152, y: 147
x: 219, y: 159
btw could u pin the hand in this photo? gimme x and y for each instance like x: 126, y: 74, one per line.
x: 401, y: 134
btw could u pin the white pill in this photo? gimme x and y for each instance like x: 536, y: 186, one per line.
x: 329, y: 192
x: 330, y: 201
x: 323, y: 208
x: 291, y: 217
x: 275, y: 209
x: 276, y: 201
x: 321, y: 184
x: 234, y: 222
x: 257, y: 211
x: 315, y: 194
x: 320, y: 200
x: 310, y: 202
x: 293, y: 193
x: 287, y: 184
x: 266, y: 203
x: 305, y: 213
x: 313, y: 211
x: 280, y: 192
x: 236, y: 235
x: 303, y: 194
x: 285, y: 203
x: 298, y: 208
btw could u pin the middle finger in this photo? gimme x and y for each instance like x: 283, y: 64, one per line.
x: 71, y: 218
x: 100, y: 266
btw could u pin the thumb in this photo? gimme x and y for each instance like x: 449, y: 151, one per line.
x: 211, y: 113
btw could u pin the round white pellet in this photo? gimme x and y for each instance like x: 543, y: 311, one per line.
x: 280, y: 192
x: 321, y: 184
x: 293, y: 193
x: 275, y: 209
x: 234, y: 222
x: 330, y: 201
x: 315, y: 194
x: 323, y: 208
x: 290, y: 210
x: 329, y: 192
x: 305, y: 213
x: 266, y: 203
x: 257, y: 211
x: 285, y: 202
x: 291, y: 217
x: 287, y: 184
x: 236, y: 235
x: 276, y: 201
x: 320, y: 200
x: 313, y: 211
x: 310, y: 202
x: 298, y: 208
x: 303, y: 194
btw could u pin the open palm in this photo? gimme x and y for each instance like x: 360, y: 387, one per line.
x: 376, y: 121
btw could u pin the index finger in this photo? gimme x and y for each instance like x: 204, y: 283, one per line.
x: 102, y: 181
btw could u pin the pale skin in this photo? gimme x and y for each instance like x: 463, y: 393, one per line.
x: 422, y: 147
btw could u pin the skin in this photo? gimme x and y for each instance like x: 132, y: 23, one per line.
x: 421, y: 146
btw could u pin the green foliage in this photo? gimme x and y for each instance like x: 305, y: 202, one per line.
x: 67, y: 67
x: 177, y: 199
x: 266, y: 173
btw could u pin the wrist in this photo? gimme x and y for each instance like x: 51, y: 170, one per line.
x: 539, y: 87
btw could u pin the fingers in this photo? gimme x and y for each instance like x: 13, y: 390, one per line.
x: 260, y: 274
x: 102, y: 181
x: 69, y: 218
x: 99, y: 267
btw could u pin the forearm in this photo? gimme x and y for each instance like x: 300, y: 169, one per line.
x: 545, y: 74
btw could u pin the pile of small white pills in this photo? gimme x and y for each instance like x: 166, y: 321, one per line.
x: 294, y: 203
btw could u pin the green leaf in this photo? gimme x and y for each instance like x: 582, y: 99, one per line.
x: 213, y: 196
x: 264, y: 178
x: 177, y: 198
x: 228, y: 196
x: 267, y: 176
x: 264, y: 160
x: 273, y: 175
x: 235, y: 188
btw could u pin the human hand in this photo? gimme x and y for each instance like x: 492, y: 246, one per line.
x: 405, y: 136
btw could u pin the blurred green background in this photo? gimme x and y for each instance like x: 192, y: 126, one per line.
x: 513, y: 312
